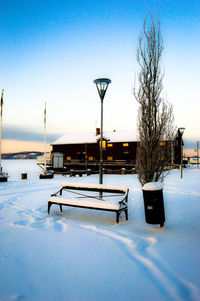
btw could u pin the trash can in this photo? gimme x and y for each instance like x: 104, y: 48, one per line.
x: 153, y: 203
x: 23, y: 175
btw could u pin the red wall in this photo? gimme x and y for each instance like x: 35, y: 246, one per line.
x: 117, y: 151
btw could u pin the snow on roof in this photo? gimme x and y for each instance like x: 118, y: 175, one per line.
x: 112, y: 136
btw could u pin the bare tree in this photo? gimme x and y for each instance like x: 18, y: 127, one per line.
x: 155, y: 115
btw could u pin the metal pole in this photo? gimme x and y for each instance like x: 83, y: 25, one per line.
x: 85, y: 156
x: 181, y: 156
x: 101, y: 149
x: 0, y: 141
x: 1, y: 110
x: 45, y: 151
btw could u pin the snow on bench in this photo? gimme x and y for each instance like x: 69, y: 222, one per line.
x: 90, y: 201
x: 95, y: 187
x: 86, y: 203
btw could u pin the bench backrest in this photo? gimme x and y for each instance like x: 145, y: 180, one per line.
x: 95, y: 187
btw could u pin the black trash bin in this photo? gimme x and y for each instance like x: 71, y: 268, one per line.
x: 153, y: 203
x: 23, y: 175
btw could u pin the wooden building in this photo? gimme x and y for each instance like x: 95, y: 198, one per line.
x: 83, y: 150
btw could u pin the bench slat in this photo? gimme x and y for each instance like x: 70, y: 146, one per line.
x: 95, y: 187
x: 85, y: 203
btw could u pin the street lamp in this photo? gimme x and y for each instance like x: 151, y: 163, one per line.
x: 181, y: 131
x: 198, y: 154
x: 102, y: 86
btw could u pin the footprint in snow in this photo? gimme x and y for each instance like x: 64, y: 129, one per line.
x: 171, y: 285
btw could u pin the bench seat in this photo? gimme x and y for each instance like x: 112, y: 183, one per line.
x: 87, y: 203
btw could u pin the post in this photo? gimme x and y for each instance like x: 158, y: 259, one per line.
x: 1, y: 126
x: 101, y: 148
x: 181, y: 157
x: 85, y: 156
x: 181, y: 131
x: 123, y: 171
x: 45, y: 152
x: 0, y: 141
x: 197, y: 154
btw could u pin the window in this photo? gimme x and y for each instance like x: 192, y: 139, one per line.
x: 103, y: 143
x: 69, y: 158
x: 125, y: 144
x: 162, y: 143
x: 110, y: 145
x: 109, y: 158
x: 90, y: 158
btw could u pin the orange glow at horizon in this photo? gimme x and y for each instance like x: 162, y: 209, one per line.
x: 189, y: 152
x: 14, y: 146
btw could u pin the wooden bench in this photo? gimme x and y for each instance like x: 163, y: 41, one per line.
x: 101, y: 201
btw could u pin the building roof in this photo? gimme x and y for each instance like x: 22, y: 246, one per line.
x: 82, y: 138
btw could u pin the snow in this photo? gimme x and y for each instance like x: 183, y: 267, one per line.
x: 151, y: 186
x: 84, y: 255
x: 111, y: 136
x: 86, y: 203
x: 93, y: 186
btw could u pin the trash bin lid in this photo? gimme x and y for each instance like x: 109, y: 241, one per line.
x: 151, y: 186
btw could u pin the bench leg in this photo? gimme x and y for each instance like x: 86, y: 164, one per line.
x: 49, y: 206
x: 60, y: 207
x: 117, y: 217
x: 126, y: 214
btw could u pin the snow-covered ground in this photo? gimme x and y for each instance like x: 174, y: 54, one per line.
x: 84, y: 255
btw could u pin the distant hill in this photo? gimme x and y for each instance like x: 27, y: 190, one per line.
x: 22, y: 155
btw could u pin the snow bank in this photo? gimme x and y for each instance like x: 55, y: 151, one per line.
x: 85, y: 255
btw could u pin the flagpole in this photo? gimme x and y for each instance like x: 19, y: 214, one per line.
x: 0, y: 142
x: 45, y: 174
x: 45, y: 152
x: 1, y: 127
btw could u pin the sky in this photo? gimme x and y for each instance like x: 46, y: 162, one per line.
x: 51, y: 51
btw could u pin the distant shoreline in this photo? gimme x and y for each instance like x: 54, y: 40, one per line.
x: 21, y: 155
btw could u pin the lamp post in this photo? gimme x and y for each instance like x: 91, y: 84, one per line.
x: 181, y: 131
x: 198, y: 154
x: 102, y: 86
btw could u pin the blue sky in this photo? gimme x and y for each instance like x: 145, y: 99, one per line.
x: 53, y: 50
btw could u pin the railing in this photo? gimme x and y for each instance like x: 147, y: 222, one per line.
x: 119, y: 163
x: 41, y: 160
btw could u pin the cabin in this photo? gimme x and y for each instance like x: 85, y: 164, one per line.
x: 80, y: 151
x: 83, y: 150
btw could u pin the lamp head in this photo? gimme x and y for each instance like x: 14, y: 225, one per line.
x: 102, y: 85
x: 181, y: 130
